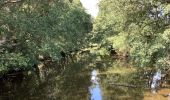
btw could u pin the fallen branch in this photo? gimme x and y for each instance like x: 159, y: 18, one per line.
x: 125, y: 85
x: 134, y: 86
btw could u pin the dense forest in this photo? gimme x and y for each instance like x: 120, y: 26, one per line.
x: 30, y: 29
x: 33, y: 28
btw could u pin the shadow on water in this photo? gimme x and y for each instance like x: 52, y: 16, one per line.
x: 87, y: 79
x: 72, y: 84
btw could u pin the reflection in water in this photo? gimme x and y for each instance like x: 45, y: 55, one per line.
x: 155, y: 81
x: 95, y: 91
x: 74, y: 84
x: 160, y: 95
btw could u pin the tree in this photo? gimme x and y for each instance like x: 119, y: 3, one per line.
x: 44, y: 27
x: 138, y: 26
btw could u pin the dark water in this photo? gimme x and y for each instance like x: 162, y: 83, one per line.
x: 79, y: 81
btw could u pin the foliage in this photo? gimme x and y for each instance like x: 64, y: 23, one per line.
x: 13, y: 61
x: 139, y: 27
x: 42, y: 27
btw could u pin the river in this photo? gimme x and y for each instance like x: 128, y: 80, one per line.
x: 83, y: 80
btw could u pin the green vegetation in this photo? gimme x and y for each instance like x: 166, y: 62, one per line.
x: 138, y: 27
x: 29, y: 28
x: 59, y: 45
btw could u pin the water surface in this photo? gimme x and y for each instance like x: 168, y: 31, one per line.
x: 80, y: 81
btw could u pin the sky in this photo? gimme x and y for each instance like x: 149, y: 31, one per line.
x: 91, y: 6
